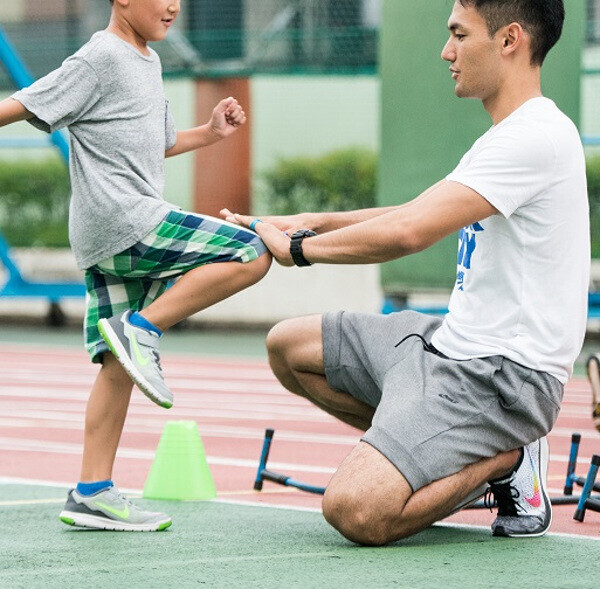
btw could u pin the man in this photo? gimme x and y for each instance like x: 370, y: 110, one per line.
x: 449, y: 405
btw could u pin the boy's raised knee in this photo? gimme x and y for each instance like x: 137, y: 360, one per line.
x: 261, y: 266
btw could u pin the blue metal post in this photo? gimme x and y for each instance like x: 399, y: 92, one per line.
x: 20, y: 75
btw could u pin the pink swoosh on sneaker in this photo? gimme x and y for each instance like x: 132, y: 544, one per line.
x: 536, y: 499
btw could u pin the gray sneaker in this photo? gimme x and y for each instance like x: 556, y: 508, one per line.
x: 109, y: 510
x: 524, y: 509
x: 137, y: 350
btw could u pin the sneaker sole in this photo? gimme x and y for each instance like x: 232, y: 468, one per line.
x: 101, y: 523
x: 544, y: 451
x: 112, y: 341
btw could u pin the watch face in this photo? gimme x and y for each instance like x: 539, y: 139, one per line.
x: 303, y: 233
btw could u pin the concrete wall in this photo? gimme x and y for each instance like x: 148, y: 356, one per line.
x: 590, y: 89
x: 179, y: 171
x: 311, y: 115
x: 290, y: 116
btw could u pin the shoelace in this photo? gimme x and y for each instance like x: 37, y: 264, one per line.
x: 503, y: 496
x: 124, y: 499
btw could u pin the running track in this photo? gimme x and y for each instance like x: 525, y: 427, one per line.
x: 42, y: 402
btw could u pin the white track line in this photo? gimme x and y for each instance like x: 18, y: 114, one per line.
x: 45, y: 447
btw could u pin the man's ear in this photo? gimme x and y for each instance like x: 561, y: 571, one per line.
x: 512, y: 37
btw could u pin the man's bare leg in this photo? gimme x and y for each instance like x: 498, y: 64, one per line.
x: 295, y: 349
x: 369, y: 501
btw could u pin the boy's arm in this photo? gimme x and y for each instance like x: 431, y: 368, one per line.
x: 226, y: 117
x: 11, y: 111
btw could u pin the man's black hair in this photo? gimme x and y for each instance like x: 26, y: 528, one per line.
x: 542, y: 19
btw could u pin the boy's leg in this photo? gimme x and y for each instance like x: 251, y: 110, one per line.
x: 197, y: 249
x: 202, y: 287
x: 96, y: 502
x: 104, y: 418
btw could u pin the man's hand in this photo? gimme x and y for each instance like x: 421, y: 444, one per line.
x: 277, y: 241
x: 226, y: 117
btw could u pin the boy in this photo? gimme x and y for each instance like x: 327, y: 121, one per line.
x: 127, y: 238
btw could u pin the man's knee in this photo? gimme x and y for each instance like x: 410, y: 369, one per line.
x: 356, y: 518
x: 296, y: 343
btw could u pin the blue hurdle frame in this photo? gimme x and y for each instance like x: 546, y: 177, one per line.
x: 264, y: 474
x: 586, y: 500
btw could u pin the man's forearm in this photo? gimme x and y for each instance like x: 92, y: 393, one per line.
x: 325, y: 222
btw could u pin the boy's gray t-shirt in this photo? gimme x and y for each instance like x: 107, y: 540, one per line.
x: 112, y: 99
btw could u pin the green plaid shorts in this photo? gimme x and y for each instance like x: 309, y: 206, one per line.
x: 137, y: 276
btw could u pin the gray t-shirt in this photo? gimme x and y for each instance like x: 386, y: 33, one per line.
x: 112, y: 99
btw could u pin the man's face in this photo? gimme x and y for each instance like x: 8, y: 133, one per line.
x: 473, y: 55
x: 151, y: 19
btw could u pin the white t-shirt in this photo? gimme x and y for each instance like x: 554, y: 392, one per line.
x: 523, y: 274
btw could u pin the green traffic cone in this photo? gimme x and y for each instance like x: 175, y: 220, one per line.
x: 179, y: 470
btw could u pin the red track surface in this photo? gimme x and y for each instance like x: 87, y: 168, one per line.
x: 43, y: 396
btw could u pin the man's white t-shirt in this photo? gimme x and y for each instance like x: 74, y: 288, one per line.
x: 523, y: 274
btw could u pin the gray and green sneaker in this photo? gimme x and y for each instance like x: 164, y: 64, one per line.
x: 136, y: 349
x: 110, y: 510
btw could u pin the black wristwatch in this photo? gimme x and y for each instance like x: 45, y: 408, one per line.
x: 296, y: 247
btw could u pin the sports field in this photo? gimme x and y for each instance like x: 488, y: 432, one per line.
x: 244, y: 538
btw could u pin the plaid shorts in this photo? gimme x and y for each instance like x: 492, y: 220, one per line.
x: 137, y: 276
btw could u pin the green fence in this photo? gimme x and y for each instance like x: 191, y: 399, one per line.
x: 222, y: 37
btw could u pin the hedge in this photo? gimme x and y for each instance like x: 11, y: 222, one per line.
x: 34, y: 194
x: 34, y: 202
x: 339, y: 181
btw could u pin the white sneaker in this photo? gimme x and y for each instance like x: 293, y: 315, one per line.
x: 136, y: 349
x: 109, y: 510
x: 524, y: 508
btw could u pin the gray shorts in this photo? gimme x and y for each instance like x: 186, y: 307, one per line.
x: 434, y: 415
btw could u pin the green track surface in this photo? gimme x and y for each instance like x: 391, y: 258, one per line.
x: 223, y: 545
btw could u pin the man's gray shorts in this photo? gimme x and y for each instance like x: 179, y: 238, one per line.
x: 434, y: 415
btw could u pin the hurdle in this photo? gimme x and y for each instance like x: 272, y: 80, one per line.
x: 264, y: 474
x: 585, y: 500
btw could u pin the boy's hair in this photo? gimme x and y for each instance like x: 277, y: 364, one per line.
x: 542, y: 19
